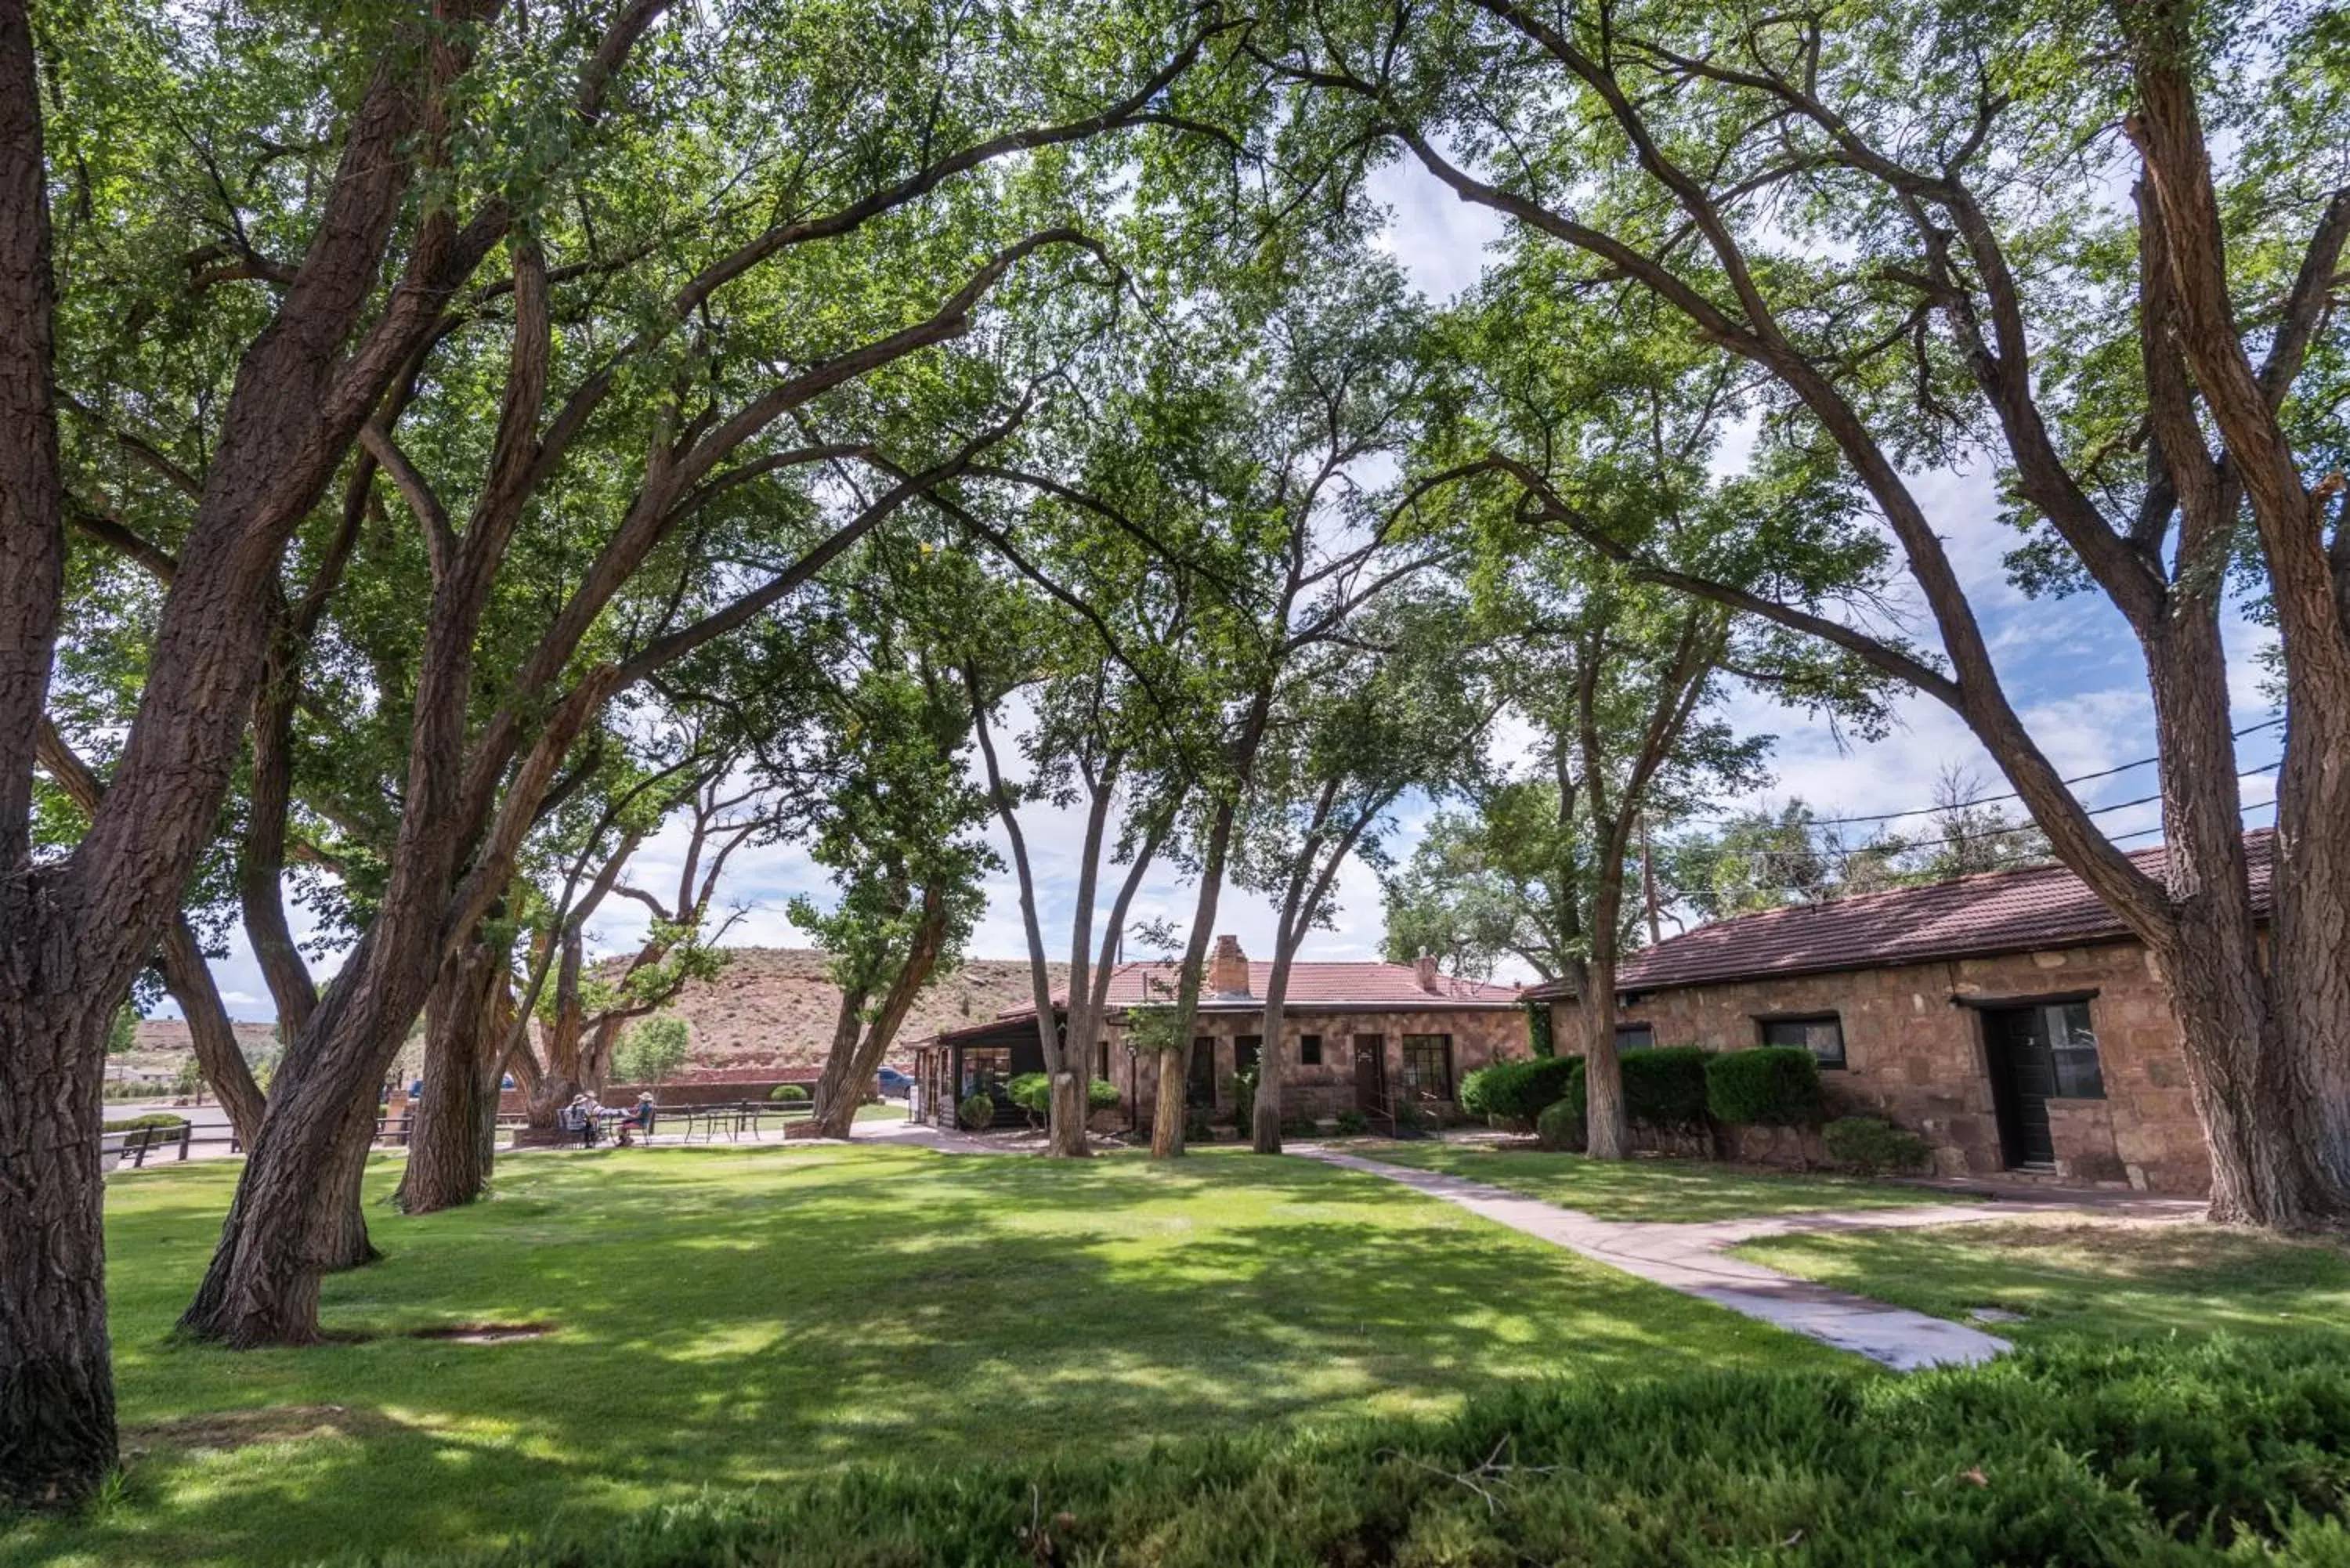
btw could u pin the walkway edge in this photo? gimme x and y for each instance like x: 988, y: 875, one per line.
x: 1689, y: 1259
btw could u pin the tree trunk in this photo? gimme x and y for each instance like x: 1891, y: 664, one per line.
x: 1170, y: 1110
x: 57, y: 1387
x: 447, y: 1165
x: 340, y: 1217
x: 834, y: 1084
x: 550, y: 1089
x: 1607, y: 1121
x: 839, y: 1109
x: 218, y: 1055
x: 1264, y: 1121
x: 262, y: 1287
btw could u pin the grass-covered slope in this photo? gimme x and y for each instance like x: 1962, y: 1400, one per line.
x: 736, y: 1317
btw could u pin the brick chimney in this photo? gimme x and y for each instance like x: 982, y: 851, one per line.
x: 1424, y: 967
x: 1228, y: 973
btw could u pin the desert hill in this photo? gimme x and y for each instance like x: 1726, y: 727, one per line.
x: 768, y: 1008
x: 773, y: 1007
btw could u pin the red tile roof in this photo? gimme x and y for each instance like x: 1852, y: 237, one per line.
x: 1312, y: 985
x: 1991, y: 912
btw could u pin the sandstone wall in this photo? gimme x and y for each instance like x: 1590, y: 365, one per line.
x: 1915, y: 1054
x: 1480, y: 1037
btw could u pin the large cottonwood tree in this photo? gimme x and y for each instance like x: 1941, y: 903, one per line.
x: 1904, y: 221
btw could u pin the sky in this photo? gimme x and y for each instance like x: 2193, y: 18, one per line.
x: 2070, y: 667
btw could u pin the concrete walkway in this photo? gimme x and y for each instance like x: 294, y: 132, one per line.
x: 1688, y: 1259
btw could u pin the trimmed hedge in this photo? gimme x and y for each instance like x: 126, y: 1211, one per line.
x: 2163, y: 1453
x: 1664, y: 1087
x: 788, y: 1093
x: 153, y: 1119
x: 1769, y: 1085
x: 975, y: 1112
x: 1867, y: 1145
x: 1518, y: 1091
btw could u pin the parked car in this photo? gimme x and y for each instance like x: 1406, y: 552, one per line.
x: 892, y: 1085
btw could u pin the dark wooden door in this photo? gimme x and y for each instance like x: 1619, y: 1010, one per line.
x: 1370, y: 1072
x: 2038, y: 1054
x: 2023, y: 1080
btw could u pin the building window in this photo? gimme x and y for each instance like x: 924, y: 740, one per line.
x: 2075, y: 1045
x: 1823, y: 1037
x: 985, y: 1070
x: 1245, y: 1050
x: 1635, y: 1037
x: 1101, y: 1060
x: 1428, y: 1066
x: 1309, y: 1050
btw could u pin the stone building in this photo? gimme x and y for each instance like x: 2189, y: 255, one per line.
x: 1370, y: 1037
x: 2007, y: 1018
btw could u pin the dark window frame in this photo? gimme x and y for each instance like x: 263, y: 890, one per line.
x: 1648, y: 1032
x: 1309, y: 1050
x: 1840, y: 1062
x: 1412, y: 1077
x: 1248, y: 1050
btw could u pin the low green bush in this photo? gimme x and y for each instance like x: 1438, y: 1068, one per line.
x: 975, y: 1112
x: 1662, y: 1088
x: 1033, y: 1092
x: 1198, y: 1130
x: 153, y: 1119
x: 1867, y: 1145
x: 2178, y: 1452
x: 1769, y: 1085
x: 788, y: 1093
x: 1516, y: 1092
x: 1560, y: 1126
x: 1240, y: 1089
x: 1352, y: 1122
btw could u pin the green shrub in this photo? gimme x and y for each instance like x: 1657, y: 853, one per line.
x: 1867, y: 1145
x: 153, y: 1119
x: 789, y: 1094
x: 1517, y: 1092
x: 1560, y: 1126
x: 1242, y: 1088
x: 1664, y: 1087
x: 1033, y: 1092
x: 2206, y: 1451
x: 975, y: 1112
x: 1769, y: 1085
x: 1197, y: 1129
x: 1352, y: 1122
x: 652, y: 1049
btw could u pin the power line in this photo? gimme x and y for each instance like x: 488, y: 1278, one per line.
x: 1996, y: 799
x: 1907, y: 846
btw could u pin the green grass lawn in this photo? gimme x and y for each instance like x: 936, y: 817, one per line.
x: 1667, y: 1190
x: 727, y: 1316
x: 2093, y: 1280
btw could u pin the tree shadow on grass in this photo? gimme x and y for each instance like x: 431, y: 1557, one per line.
x: 732, y: 1318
